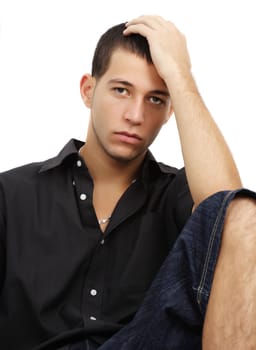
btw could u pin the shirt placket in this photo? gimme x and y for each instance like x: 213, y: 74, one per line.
x: 92, y: 291
x: 94, y: 285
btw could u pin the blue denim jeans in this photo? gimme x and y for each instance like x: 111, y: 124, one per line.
x: 172, y: 314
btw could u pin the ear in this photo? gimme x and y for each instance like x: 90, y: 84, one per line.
x: 87, y: 85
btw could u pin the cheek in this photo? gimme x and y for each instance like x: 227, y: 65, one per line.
x: 154, y: 125
x: 105, y: 115
x: 110, y: 107
x: 153, y: 131
x: 157, y: 121
x: 99, y: 108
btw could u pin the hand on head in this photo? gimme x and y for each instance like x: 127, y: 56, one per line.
x: 166, y: 42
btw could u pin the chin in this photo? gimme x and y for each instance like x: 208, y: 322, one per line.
x: 125, y: 154
x: 124, y: 157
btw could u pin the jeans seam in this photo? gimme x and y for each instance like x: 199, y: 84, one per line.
x: 200, y: 289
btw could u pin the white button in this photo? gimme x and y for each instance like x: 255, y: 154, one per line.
x: 93, y: 318
x: 79, y: 163
x: 73, y: 183
x: 93, y: 292
x: 83, y: 196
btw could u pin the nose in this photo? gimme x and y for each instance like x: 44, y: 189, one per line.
x: 135, y: 111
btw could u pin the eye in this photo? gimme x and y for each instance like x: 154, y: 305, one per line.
x: 120, y: 90
x: 156, y: 100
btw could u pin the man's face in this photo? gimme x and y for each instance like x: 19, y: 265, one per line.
x: 129, y: 105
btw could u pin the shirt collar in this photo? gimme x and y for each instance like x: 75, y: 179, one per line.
x: 150, y: 167
x: 71, y: 148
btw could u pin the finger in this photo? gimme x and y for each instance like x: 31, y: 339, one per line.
x: 150, y: 21
x: 143, y: 24
x: 156, y: 23
x: 141, y: 29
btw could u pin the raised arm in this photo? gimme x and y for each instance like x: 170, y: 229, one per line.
x: 208, y: 161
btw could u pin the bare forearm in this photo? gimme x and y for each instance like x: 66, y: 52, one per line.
x: 209, y: 163
x: 208, y: 160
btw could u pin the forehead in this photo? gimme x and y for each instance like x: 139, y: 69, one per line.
x: 127, y: 66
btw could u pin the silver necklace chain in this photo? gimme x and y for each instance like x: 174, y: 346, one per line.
x: 104, y: 221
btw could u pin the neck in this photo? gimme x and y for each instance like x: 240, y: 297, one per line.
x: 105, y: 169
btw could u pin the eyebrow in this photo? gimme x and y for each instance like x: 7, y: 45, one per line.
x: 127, y: 83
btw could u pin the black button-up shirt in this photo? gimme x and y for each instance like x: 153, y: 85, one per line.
x: 60, y: 276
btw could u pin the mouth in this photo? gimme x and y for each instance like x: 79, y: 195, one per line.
x: 127, y: 137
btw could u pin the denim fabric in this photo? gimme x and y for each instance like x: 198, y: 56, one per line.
x: 172, y: 314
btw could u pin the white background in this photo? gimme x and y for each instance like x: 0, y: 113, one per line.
x: 46, y: 46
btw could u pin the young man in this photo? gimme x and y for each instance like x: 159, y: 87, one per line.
x: 83, y: 235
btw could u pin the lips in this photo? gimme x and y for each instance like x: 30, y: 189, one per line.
x: 127, y: 137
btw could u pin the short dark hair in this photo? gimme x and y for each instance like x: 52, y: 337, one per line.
x: 113, y: 39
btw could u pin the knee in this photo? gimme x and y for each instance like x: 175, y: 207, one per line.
x: 240, y: 222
